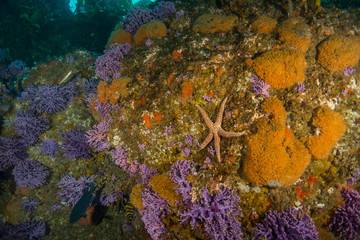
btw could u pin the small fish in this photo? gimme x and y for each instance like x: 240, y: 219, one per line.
x: 81, y: 206
x: 65, y: 78
x: 129, y: 211
x: 126, y: 207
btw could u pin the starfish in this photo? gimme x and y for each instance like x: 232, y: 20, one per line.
x: 216, y: 130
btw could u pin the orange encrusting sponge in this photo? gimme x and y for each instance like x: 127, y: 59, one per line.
x: 114, y: 91
x: 163, y: 186
x: 281, y: 68
x: 337, y: 53
x: 274, y: 156
x: 332, y: 127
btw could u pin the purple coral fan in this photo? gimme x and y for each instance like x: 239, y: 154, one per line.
x: 72, y: 189
x: 49, y: 98
x: 155, y: 209
x: 290, y: 224
x: 260, y: 87
x: 97, y: 137
x: 179, y: 171
x: 31, y: 229
x: 28, y: 125
x: 217, y: 213
x: 346, y: 223
x: 12, y: 151
x: 49, y: 147
x: 75, y: 145
x: 30, y: 205
x: 30, y: 174
x: 109, y: 64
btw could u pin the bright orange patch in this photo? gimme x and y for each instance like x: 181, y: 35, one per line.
x: 311, y: 180
x: 170, y: 81
x: 249, y: 62
x: 300, y: 192
x: 175, y: 54
x: 219, y: 72
x: 147, y: 119
x: 187, y: 89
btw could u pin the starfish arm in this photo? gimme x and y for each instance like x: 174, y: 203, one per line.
x: 224, y: 133
x: 221, y: 113
x: 207, y: 140
x: 217, y: 146
x: 207, y: 120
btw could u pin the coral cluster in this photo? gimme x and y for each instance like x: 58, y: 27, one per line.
x: 289, y: 224
x: 346, y: 222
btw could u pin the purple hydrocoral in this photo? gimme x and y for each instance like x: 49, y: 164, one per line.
x: 28, y: 125
x: 164, y: 10
x: 16, y: 67
x: 290, y: 224
x: 146, y: 173
x: 346, y: 223
x: 109, y: 64
x: 72, y: 189
x: 217, y: 213
x: 30, y: 174
x: 75, y: 145
x: 260, y: 87
x: 12, y: 151
x: 155, y: 209
x: 137, y: 17
x: 49, y: 147
x: 179, y: 171
x: 49, y: 98
x: 90, y: 86
x: 97, y: 137
x: 105, y: 109
x: 107, y: 199
x: 30, y: 205
x: 31, y: 229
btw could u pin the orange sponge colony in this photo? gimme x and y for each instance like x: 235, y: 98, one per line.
x: 281, y: 68
x: 114, y: 91
x: 163, y: 186
x: 263, y: 24
x: 151, y: 29
x: 274, y: 156
x: 136, y: 196
x: 294, y: 32
x: 275, y: 109
x: 332, y: 127
x: 210, y: 23
x: 119, y: 35
x: 339, y: 52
